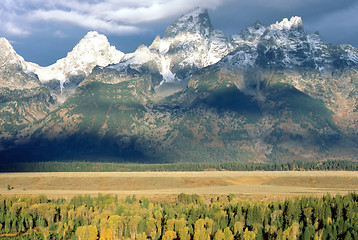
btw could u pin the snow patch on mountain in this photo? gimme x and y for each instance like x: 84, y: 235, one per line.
x: 167, y: 74
x: 190, y: 43
x: 350, y: 54
x: 319, y: 51
x: 165, y: 61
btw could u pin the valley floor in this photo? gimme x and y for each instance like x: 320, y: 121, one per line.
x: 161, y: 185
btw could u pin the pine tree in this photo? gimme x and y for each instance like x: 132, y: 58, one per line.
x: 309, y: 232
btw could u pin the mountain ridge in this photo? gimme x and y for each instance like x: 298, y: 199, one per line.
x: 270, y: 93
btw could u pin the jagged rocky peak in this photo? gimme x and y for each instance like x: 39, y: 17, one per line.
x: 4, y: 44
x: 13, y: 69
x: 63, y: 76
x: 249, y: 35
x: 314, y: 38
x: 286, y: 29
x: 196, y: 21
x: 8, y: 55
x: 156, y: 43
x: 94, y: 49
x: 190, y: 43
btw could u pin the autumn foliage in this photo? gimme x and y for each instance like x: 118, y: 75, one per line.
x: 226, y: 217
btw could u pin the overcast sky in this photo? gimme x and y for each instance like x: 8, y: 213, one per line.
x: 43, y: 31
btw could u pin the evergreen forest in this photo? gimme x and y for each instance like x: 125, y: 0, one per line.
x: 98, y: 165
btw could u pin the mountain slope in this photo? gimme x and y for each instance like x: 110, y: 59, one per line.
x: 285, y: 53
x: 23, y: 99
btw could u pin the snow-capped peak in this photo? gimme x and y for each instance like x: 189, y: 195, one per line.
x: 8, y: 55
x: 92, y: 34
x: 93, y: 49
x: 195, y: 21
x: 4, y: 43
x: 7, y: 51
x: 13, y: 69
x: 190, y: 43
x: 285, y: 24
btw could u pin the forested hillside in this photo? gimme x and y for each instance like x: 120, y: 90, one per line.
x: 107, y: 217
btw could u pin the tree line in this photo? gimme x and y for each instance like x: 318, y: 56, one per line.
x: 83, y: 166
x: 222, y: 218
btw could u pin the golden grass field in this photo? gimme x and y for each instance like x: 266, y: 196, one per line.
x: 249, y: 185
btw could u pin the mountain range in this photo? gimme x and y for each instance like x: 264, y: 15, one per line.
x: 268, y: 93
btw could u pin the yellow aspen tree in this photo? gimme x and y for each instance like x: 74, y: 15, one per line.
x: 170, y: 225
x: 239, y: 226
x: 319, y: 234
x: 295, y: 231
x: 70, y: 226
x: 151, y: 227
x: 71, y: 214
x: 106, y: 234
x: 80, y: 233
x: 133, y: 225
x: 116, y: 224
x: 209, y: 225
x: 158, y: 216
x: 286, y: 234
x: 180, y: 224
x: 169, y: 235
x: 182, y: 229
x: 87, y: 233
x: 64, y: 230
x: 291, y: 233
x: 184, y: 234
x: 141, y: 236
x: 200, y: 232
x: 249, y: 235
x: 219, y: 235
x: 92, y: 232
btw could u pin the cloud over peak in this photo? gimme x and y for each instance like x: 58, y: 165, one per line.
x: 109, y: 16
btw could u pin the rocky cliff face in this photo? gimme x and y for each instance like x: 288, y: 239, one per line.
x: 269, y: 93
